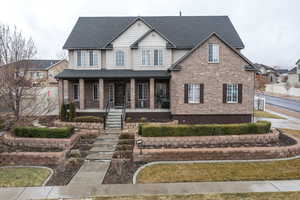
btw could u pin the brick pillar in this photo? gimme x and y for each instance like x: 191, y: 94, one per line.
x: 101, y: 94
x: 60, y: 92
x: 132, y: 93
x: 81, y: 93
x: 152, y: 85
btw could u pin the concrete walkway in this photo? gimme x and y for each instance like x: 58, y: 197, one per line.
x: 93, y: 171
x: 91, y: 189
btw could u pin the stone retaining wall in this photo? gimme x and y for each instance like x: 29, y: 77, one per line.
x: 210, y: 140
x: 232, y: 153
x: 40, y: 158
x: 63, y: 143
x: 81, y: 125
x: 32, y: 158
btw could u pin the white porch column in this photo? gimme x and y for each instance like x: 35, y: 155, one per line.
x: 60, y: 92
x: 101, y: 94
x: 152, y: 85
x: 81, y: 94
x: 132, y: 93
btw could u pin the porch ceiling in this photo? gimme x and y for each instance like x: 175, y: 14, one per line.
x: 103, y: 73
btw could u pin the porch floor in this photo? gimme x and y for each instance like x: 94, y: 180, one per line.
x: 127, y: 110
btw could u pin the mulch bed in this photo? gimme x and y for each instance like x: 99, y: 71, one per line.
x: 284, y: 140
x: 8, y: 148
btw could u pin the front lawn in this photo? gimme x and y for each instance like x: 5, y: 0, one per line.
x: 23, y: 176
x: 196, y: 172
x: 263, y: 114
x: 237, y: 196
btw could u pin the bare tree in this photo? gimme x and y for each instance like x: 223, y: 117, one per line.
x: 62, y: 55
x: 18, y: 91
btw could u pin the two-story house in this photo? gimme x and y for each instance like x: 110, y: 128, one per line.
x: 187, y: 68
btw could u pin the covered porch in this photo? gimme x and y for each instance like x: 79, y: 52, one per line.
x: 139, y: 92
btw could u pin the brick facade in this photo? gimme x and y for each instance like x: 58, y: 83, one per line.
x: 196, y: 69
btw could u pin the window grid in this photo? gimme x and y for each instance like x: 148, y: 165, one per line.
x: 193, y: 93
x: 95, y: 91
x: 232, y: 93
x: 213, y: 53
x: 120, y: 58
x: 78, y: 58
x: 146, y: 57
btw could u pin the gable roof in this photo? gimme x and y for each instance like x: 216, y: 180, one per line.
x: 33, y: 64
x: 183, y: 31
x: 177, y: 67
x: 136, y: 43
x: 282, y: 71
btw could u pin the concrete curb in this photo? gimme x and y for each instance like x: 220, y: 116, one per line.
x: 42, y: 167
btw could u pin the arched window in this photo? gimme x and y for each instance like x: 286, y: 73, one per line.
x: 120, y: 58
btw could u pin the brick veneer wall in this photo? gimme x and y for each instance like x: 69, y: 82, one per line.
x: 232, y: 153
x: 196, y: 69
x: 211, y: 140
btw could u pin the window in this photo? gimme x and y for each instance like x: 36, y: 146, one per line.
x: 146, y: 57
x: 158, y: 58
x: 78, y: 58
x: 76, y: 92
x: 193, y: 93
x: 120, y: 58
x: 232, y: 93
x: 95, y: 91
x: 93, y: 58
x: 142, y: 97
x: 213, y: 53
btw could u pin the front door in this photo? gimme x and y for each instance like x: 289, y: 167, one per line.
x: 119, y: 93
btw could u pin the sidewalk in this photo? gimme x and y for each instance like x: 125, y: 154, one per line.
x: 90, y: 190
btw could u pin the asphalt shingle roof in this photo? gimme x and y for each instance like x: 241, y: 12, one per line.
x: 104, y: 73
x: 184, y: 31
x: 34, y: 64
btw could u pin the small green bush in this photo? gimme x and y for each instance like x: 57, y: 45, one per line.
x: 91, y: 119
x: 148, y: 130
x: 72, y: 111
x: 35, y: 132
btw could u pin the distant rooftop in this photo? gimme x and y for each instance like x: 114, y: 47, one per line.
x: 34, y: 64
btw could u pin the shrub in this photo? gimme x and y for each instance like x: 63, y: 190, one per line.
x: 72, y: 111
x: 148, y: 130
x: 63, y: 113
x: 36, y: 132
x: 126, y: 136
x: 90, y: 119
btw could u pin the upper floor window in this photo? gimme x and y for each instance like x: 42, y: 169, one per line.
x: 120, y: 58
x: 213, y: 53
x: 146, y: 57
x: 158, y: 57
x: 232, y: 93
x: 93, y: 58
x: 152, y: 57
x: 86, y: 58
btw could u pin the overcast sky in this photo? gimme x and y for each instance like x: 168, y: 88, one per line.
x: 270, y: 29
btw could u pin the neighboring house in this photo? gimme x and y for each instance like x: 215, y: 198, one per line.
x: 41, y: 70
x: 268, y: 73
x: 294, y: 77
x: 283, y: 75
x: 186, y: 68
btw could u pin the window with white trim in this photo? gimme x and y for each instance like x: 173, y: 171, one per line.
x: 78, y: 53
x: 158, y: 57
x: 120, y: 58
x: 232, y: 93
x: 213, y: 53
x: 146, y: 57
x: 95, y: 91
x: 93, y: 58
x: 193, y: 93
x: 76, y: 92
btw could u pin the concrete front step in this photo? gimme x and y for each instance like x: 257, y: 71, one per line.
x: 103, y: 142
x: 107, y: 136
x: 108, y: 139
x: 100, y: 156
x: 96, y: 149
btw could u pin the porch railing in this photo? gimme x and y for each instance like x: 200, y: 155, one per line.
x: 123, y: 116
x: 107, y: 109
